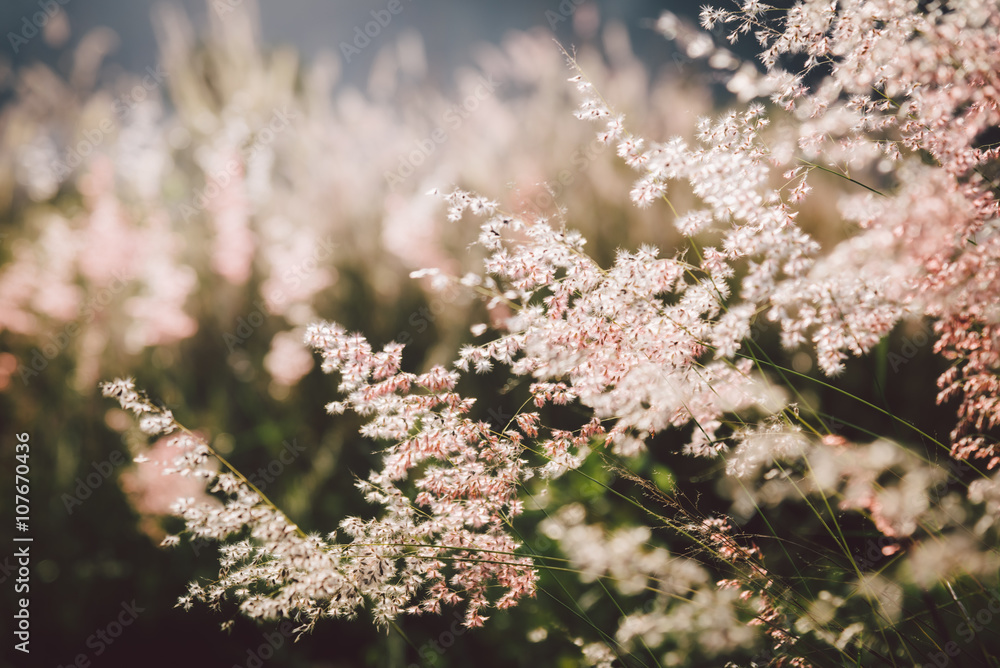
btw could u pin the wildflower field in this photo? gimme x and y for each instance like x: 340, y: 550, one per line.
x: 558, y: 357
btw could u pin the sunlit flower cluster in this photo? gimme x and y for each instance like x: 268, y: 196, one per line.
x: 894, y: 99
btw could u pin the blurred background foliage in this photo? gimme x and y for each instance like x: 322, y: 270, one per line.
x: 183, y: 222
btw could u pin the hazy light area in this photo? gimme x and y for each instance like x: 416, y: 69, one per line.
x: 450, y: 29
x: 541, y: 333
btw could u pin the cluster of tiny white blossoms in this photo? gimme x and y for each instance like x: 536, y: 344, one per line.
x: 608, y: 340
x: 279, y: 571
x: 650, y: 344
x: 900, y: 94
x: 653, y: 343
x: 683, y: 605
x: 466, y: 472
